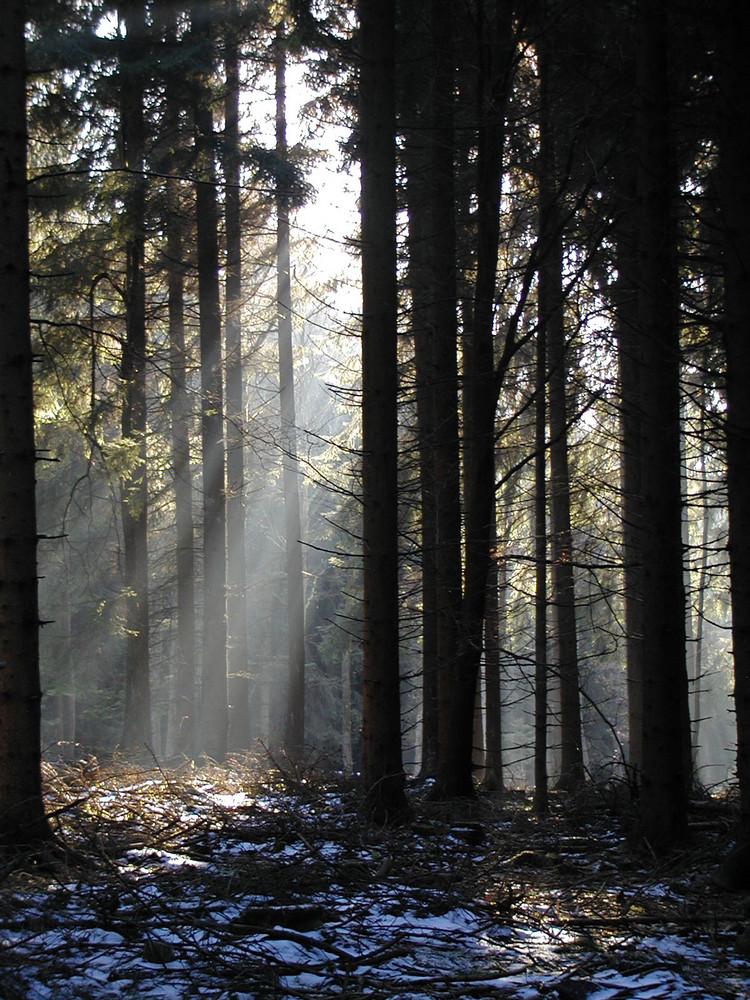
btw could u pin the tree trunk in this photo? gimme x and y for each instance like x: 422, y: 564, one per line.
x: 137, y: 725
x: 495, y: 58
x: 663, y: 797
x: 494, y: 615
x: 22, y: 819
x: 541, y: 786
x: 552, y: 317
x: 735, y: 198
x: 295, y: 718
x: 185, y: 673
x: 416, y: 100
x: 446, y: 460
x: 629, y: 372
x: 382, y: 768
x: 213, y: 722
x: 237, y: 638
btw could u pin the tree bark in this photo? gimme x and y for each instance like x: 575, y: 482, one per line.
x: 552, y: 318
x: 137, y: 723
x: 495, y: 59
x: 185, y: 669
x: 382, y: 767
x: 295, y: 717
x: 415, y: 157
x: 237, y: 637
x: 22, y: 819
x: 541, y: 785
x: 446, y: 460
x: 213, y: 722
x: 663, y: 795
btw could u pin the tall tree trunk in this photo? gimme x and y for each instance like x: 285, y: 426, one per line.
x: 552, y: 317
x: 541, y: 786
x: 495, y: 59
x: 382, y: 767
x: 183, y: 707
x: 183, y: 479
x: 497, y: 582
x: 213, y: 722
x: 735, y: 199
x: 663, y: 797
x: 237, y: 638
x: 137, y: 725
x: 629, y: 373
x: 446, y: 460
x: 416, y: 100
x: 295, y: 717
x: 22, y: 819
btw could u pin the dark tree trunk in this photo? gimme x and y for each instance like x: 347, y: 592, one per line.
x: 735, y: 199
x: 552, y: 318
x: 237, y: 638
x: 494, y: 619
x: 183, y: 708
x: 214, y: 713
x: 417, y: 91
x: 495, y: 60
x: 22, y: 819
x: 382, y: 768
x: 663, y: 797
x: 183, y: 482
x: 629, y: 364
x: 137, y: 725
x: 541, y: 786
x: 446, y: 461
x: 295, y: 718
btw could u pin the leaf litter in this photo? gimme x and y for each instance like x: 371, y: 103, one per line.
x: 254, y: 881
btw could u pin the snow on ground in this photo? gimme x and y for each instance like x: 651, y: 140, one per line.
x: 217, y: 890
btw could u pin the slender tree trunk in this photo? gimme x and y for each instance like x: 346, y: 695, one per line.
x: 446, y: 461
x: 213, y: 722
x: 663, y: 797
x: 295, y: 719
x: 735, y: 198
x: 183, y: 479
x: 22, y: 819
x: 137, y: 725
x: 552, y: 317
x: 541, y: 786
x: 382, y: 767
x: 495, y: 58
x: 629, y: 371
x: 416, y: 101
x: 237, y: 638
x: 702, y: 583
x: 347, y: 756
x: 494, y: 615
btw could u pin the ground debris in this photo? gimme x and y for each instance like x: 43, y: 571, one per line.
x: 236, y: 882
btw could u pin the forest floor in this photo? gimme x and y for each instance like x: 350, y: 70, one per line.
x: 244, y: 882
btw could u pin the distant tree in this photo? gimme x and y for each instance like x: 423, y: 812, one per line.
x: 137, y: 723
x: 174, y: 154
x: 382, y: 767
x: 213, y: 722
x: 237, y: 635
x: 22, y: 819
x: 552, y: 316
x: 295, y: 721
